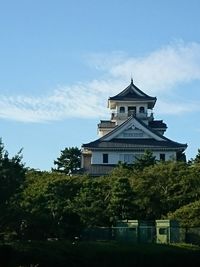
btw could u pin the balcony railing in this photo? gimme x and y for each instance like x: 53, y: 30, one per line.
x: 124, y: 116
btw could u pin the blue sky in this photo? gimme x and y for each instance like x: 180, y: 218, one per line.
x: 60, y: 60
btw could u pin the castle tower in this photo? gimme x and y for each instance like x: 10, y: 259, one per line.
x: 130, y: 131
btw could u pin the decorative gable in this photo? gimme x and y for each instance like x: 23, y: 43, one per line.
x: 133, y: 128
x: 133, y: 132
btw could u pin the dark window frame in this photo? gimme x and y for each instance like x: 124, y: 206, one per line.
x: 122, y: 110
x: 105, y: 158
x: 162, y: 156
x: 132, y: 110
x: 142, y: 110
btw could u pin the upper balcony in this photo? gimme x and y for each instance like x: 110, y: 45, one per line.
x: 124, y: 116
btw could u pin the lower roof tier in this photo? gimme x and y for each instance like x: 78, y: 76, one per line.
x: 139, y: 144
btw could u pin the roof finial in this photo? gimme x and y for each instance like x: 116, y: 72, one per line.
x: 131, y: 79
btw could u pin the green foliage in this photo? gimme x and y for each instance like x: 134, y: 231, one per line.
x: 91, y: 203
x: 12, y: 173
x: 69, y: 161
x: 122, y: 170
x: 121, y: 205
x: 53, y: 204
x: 146, y: 160
x: 46, y: 202
x: 188, y: 215
x: 180, y: 156
x: 196, y: 160
x: 142, y: 162
x: 165, y: 186
x: 150, y: 193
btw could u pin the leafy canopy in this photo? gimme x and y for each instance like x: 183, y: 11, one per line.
x: 12, y: 173
x: 69, y: 161
x: 146, y: 160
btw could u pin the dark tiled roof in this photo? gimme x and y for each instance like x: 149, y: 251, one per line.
x: 134, y: 144
x: 132, y: 93
x: 106, y: 124
x: 141, y: 122
x: 157, y: 124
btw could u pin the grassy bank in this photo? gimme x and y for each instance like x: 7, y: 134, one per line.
x: 64, y: 253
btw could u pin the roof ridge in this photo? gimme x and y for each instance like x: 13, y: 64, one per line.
x: 156, y: 133
x: 164, y: 139
x: 135, y: 89
x: 116, y: 128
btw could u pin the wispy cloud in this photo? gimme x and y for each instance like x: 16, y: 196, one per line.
x: 156, y: 73
x: 175, y: 108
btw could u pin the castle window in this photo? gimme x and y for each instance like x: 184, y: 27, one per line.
x: 131, y: 111
x: 105, y: 158
x: 122, y: 109
x: 162, y: 157
x: 141, y: 109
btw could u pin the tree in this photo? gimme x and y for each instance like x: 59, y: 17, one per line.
x: 146, y: 160
x: 12, y: 176
x: 181, y: 156
x: 196, y: 160
x: 69, y: 161
x: 188, y: 215
x: 165, y: 187
x: 121, y: 204
x: 46, y: 203
x: 91, y: 203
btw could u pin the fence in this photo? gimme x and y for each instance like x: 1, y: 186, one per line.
x: 143, y: 234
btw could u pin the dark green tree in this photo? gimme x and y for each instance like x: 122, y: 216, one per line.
x: 197, y: 158
x: 12, y: 176
x: 69, y: 161
x: 165, y: 187
x: 187, y: 215
x: 146, y: 160
x: 46, y: 203
x: 91, y: 203
x: 181, y: 156
x: 121, y: 203
x: 195, y: 161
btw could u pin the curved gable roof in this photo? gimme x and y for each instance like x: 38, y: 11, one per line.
x: 133, y: 93
x: 110, y: 141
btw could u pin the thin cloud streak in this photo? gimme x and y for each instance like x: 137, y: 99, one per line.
x: 157, y: 73
x: 169, y: 108
x: 160, y: 70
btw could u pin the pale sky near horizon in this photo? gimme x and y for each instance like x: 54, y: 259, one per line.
x: 60, y: 60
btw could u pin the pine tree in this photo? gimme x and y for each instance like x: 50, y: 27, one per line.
x: 69, y: 161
